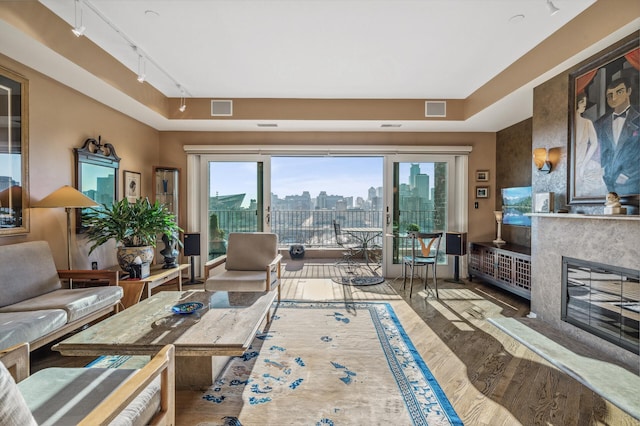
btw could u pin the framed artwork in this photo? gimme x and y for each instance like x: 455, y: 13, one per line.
x: 543, y: 202
x: 132, y: 185
x: 14, y: 151
x: 604, y: 126
x: 482, y: 192
x: 482, y: 175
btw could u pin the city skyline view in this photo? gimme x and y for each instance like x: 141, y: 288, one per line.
x: 292, y: 176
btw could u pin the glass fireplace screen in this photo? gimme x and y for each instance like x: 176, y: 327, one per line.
x: 603, y: 300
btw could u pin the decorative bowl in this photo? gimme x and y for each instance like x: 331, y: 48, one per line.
x: 187, y: 308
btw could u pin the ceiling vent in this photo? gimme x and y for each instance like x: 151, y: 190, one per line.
x: 221, y: 108
x: 435, y: 109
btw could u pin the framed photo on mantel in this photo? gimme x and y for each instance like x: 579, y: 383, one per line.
x: 543, y: 202
x: 604, y: 126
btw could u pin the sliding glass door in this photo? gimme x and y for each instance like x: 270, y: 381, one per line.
x: 391, y: 192
x: 419, y: 197
x: 237, y: 199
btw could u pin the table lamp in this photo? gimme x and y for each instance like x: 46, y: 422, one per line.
x: 499, y: 240
x: 69, y: 198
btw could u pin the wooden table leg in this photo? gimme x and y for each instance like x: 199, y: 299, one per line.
x: 198, y: 372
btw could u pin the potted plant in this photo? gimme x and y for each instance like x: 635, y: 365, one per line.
x: 217, y: 243
x: 134, y: 226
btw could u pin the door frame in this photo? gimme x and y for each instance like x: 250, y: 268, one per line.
x: 457, y: 203
x: 195, y: 154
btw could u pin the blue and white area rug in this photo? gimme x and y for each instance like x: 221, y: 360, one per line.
x: 328, y: 363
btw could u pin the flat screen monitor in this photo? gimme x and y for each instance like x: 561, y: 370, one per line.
x: 516, y: 203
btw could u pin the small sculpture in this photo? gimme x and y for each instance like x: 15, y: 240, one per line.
x: 613, y: 200
x: 612, y: 204
x: 169, y: 252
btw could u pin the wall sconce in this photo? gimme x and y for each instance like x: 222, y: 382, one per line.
x: 499, y: 240
x: 540, y: 158
x: 545, y: 160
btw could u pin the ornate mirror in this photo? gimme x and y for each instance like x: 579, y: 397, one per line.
x: 96, y: 174
x: 14, y: 142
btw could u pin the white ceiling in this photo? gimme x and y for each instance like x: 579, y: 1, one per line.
x: 378, y: 49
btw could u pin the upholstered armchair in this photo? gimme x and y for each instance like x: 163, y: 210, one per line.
x: 252, y: 263
x: 86, y: 396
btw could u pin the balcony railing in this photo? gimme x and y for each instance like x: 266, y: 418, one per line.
x: 314, y: 228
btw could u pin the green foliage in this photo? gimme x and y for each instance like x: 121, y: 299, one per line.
x: 215, y: 233
x: 130, y: 224
x: 413, y: 227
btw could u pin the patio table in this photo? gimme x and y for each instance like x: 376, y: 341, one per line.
x: 365, y: 237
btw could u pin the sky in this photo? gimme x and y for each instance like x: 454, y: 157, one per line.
x: 347, y: 176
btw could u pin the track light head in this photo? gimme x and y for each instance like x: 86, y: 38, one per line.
x: 552, y: 8
x: 183, y: 104
x: 142, y: 67
x: 79, y: 31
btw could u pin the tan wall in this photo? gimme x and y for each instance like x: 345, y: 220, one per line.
x: 481, y: 220
x: 60, y: 119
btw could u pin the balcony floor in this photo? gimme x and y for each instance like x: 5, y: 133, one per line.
x: 325, y: 268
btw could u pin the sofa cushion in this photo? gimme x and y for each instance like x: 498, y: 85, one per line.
x: 251, y: 251
x: 13, y: 408
x: 240, y: 281
x: 66, y: 395
x: 76, y: 302
x: 142, y: 409
x: 18, y: 327
x: 28, y: 270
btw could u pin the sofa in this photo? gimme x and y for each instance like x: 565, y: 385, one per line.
x: 34, y: 306
x: 86, y: 396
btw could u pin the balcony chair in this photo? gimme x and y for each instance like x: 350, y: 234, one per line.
x: 349, y: 248
x: 423, y: 255
x: 252, y: 263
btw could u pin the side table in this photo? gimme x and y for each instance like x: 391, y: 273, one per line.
x: 133, y: 288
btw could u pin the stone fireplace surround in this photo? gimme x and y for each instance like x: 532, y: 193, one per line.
x: 612, y: 240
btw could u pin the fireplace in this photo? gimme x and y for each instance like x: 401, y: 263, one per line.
x: 603, y: 300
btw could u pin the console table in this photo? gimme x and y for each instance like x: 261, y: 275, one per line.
x: 505, y: 265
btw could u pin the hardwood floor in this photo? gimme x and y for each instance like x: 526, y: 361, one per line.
x: 489, y: 377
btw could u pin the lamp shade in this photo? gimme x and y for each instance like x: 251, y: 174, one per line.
x: 67, y: 197
x: 498, y: 214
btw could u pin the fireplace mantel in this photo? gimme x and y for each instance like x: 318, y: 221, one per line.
x: 586, y: 216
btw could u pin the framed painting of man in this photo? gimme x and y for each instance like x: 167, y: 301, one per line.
x: 604, y: 125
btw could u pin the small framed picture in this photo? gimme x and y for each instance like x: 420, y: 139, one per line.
x: 482, y: 192
x: 482, y: 175
x: 543, y: 202
x: 131, y: 185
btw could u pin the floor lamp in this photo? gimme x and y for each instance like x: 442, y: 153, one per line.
x: 69, y: 198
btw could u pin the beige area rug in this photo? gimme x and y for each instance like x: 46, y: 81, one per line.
x: 328, y: 290
x: 328, y: 363
x: 612, y: 382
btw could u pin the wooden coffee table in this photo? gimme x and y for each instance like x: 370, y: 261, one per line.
x: 204, y: 340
